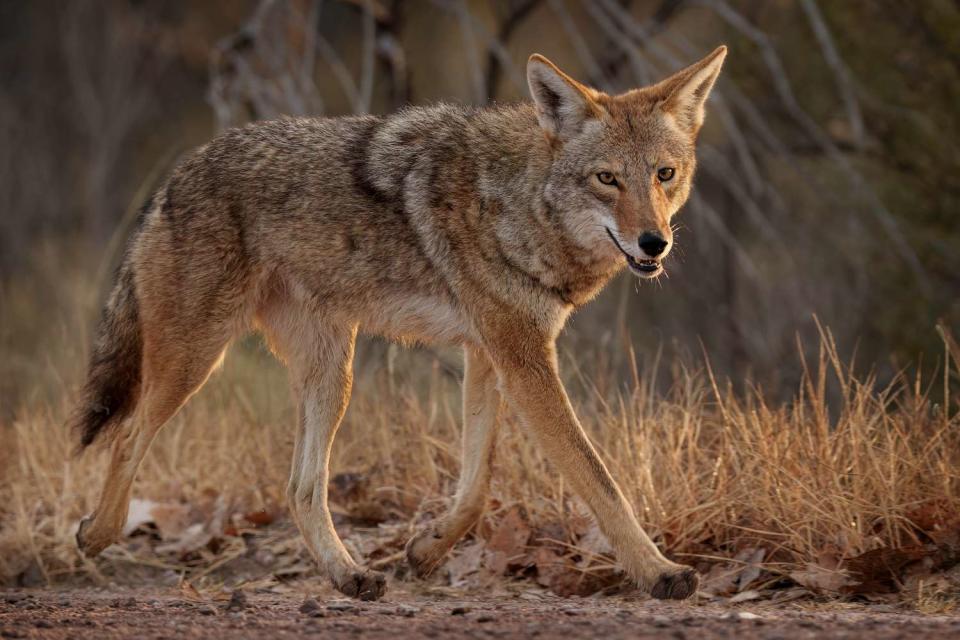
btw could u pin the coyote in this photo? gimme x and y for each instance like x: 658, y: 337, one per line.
x: 482, y: 227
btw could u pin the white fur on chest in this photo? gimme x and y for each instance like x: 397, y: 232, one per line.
x: 416, y: 318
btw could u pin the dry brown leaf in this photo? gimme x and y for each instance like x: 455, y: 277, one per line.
x: 720, y: 580
x: 724, y: 579
x: 259, y: 518
x: 745, y: 596
x: 819, y: 578
x: 593, y: 543
x: 752, y: 570
x: 465, y: 563
x: 880, y: 570
x: 508, y: 542
x: 189, y: 592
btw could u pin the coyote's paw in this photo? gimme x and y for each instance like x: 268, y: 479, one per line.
x: 426, y: 551
x: 362, y: 584
x: 89, y: 543
x: 678, y: 585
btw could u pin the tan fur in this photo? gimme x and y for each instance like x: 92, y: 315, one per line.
x: 479, y: 227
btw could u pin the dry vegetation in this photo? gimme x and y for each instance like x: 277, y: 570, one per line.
x: 856, y: 495
x: 812, y: 476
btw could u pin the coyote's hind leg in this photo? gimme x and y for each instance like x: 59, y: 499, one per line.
x: 171, y: 374
x: 481, y: 406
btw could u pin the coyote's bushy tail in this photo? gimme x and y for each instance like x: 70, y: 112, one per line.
x: 113, y: 379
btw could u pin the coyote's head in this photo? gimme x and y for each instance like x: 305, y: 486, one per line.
x: 623, y: 164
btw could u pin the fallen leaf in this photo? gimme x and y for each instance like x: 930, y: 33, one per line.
x: 818, y: 578
x: 259, y: 518
x: 744, y: 596
x: 720, y: 580
x: 508, y: 542
x: 593, y: 544
x: 195, y: 537
x: 752, y: 570
x: 189, y: 592
x: 880, y: 570
x: 465, y: 563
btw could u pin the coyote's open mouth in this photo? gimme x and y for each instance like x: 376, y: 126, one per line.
x: 646, y: 268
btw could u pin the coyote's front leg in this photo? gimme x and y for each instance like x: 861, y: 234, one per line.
x: 531, y: 383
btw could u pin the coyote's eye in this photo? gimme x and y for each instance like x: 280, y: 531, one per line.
x: 607, y: 178
x: 665, y: 174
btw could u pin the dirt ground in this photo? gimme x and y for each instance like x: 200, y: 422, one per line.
x: 313, y: 611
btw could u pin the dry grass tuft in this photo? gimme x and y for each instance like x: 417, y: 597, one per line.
x: 710, y: 472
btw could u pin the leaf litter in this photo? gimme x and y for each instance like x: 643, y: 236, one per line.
x: 214, y: 540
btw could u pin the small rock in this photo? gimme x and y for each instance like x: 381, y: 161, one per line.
x: 484, y: 617
x: 309, y: 606
x: 341, y: 606
x: 746, y: 615
x: 238, y: 601
x: 207, y: 610
x: 459, y: 611
x: 407, y: 611
x: 660, y: 621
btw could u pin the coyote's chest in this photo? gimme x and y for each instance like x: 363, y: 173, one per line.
x: 417, y: 318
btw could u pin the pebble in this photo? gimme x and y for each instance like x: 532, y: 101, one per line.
x: 238, y: 601
x: 459, y: 611
x: 407, y: 611
x: 309, y: 605
x: 207, y: 610
x: 341, y: 606
x: 660, y: 621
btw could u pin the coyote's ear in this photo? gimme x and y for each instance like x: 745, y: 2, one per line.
x: 563, y: 104
x: 686, y: 91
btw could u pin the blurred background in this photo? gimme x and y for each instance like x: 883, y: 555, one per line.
x: 828, y: 188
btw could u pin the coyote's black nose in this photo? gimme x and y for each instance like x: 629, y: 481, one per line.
x: 652, y: 244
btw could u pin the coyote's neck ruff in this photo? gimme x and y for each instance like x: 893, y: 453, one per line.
x: 482, y: 227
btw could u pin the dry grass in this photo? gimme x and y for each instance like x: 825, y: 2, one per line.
x: 710, y: 471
